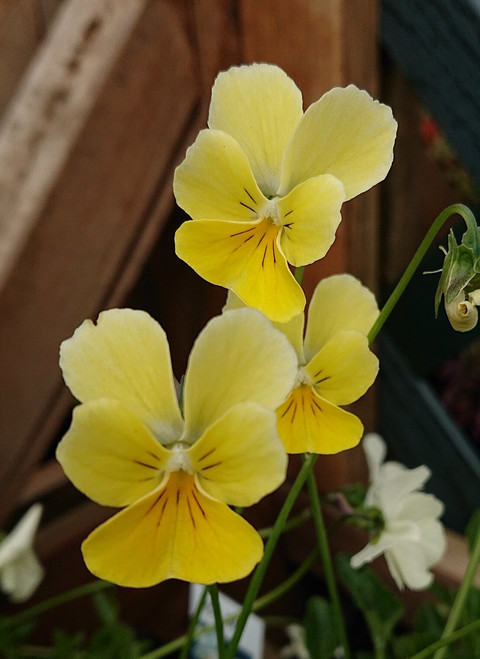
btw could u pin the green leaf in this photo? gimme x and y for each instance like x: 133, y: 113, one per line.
x: 379, y: 606
x: 473, y: 529
x: 106, y: 607
x: 319, y: 624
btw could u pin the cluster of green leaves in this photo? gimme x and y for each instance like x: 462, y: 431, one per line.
x: 112, y: 640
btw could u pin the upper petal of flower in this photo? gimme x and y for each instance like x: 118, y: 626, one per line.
x: 375, y: 453
x: 125, y: 356
x: 109, y: 455
x: 260, y: 106
x: 393, y: 484
x: 339, y: 302
x: 344, y: 368
x: 175, y: 532
x: 240, y: 458
x: 238, y: 357
x: 293, y: 329
x: 245, y: 257
x: 215, y: 180
x: 308, y: 423
x: 345, y: 133
x: 310, y: 215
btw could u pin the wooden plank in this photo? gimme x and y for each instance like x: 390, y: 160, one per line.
x: 95, y: 231
x: 19, y: 38
x: 50, y: 108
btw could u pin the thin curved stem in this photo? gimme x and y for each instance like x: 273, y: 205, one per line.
x: 387, y: 309
x: 217, y: 614
x: 193, y: 625
x: 324, y: 551
x: 447, y: 640
x: 259, y: 573
x: 461, y: 595
x: 58, y: 600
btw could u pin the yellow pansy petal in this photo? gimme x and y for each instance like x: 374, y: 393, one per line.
x: 109, y: 455
x: 260, y: 106
x: 310, y: 424
x: 344, y: 368
x: 238, y: 357
x: 215, y: 180
x: 240, y: 458
x: 246, y: 258
x: 293, y: 329
x: 125, y: 356
x: 345, y: 133
x: 310, y: 215
x: 339, y: 302
x: 175, y: 532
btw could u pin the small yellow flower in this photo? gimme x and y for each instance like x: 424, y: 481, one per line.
x: 265, y: 183
x: 175, y: 475
x: 335, y: 367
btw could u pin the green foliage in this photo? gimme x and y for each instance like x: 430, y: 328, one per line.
x: 319, y: 623
x: 379, y: 606
x: 473, y: 529
x: 112, y: 640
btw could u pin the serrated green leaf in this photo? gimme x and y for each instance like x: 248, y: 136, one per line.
x: 319, y: 624
x: 378, y: 604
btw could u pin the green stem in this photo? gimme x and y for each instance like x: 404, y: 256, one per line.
x: 286, y: 585
x: 193, y: 625
x: 325, y: 555
x: 293, y: 523
x: 447, y: 640
x: 217, y: 614
x: 259, y: 573
x: 459, y: 209
x: 260, y: 603
x: 462, y: 594
x: 58, y: 600
x: 298, y: 274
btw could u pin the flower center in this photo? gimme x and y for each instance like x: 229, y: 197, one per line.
x: 179, y: 460
x: 270, y: 212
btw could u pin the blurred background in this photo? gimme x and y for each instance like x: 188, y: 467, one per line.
x: 99, y: 100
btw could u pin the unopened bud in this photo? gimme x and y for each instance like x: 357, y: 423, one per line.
x: 462, y: 313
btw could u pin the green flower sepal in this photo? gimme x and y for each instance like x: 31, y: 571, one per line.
x: 460, y: 278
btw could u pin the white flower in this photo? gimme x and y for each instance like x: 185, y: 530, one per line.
x: 20, y: 571
x: 297, y: 647
x: 413, y: 539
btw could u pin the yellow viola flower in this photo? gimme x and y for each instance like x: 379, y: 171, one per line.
x: 335, y: 367
x: 265, y: 182
x: 175, y: 472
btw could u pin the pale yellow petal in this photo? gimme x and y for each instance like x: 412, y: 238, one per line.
x: 310, y: 424
x: 245, y: 257
x: 240, y: 458
x: 176, y: 532
x: 215, y: 180
x: 310, y: 215
x: 238, y: 357
x: 293, y: 329
x: 345, y: 133
x: 109, y: 455
x: 260, y: 106
x: 338, y: 303
x: 344, y: 368
x: 125, y: 356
